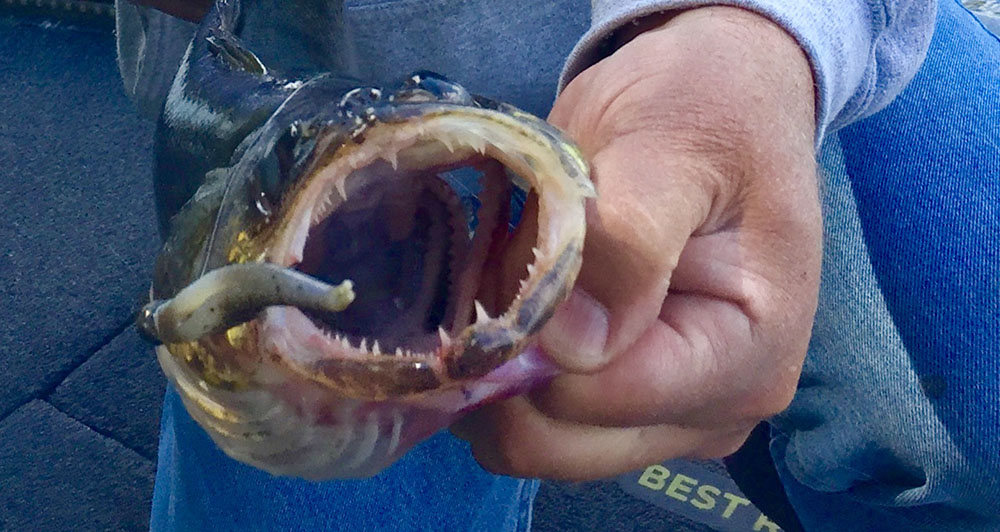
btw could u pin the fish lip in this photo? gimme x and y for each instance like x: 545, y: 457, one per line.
x: 533, y: 150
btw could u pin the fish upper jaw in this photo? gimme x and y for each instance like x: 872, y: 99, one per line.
x: 373, y: 189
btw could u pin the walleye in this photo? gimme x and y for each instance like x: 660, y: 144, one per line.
x: 321, y: 301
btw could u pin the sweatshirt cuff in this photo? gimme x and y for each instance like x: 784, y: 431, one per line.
x: 836, y: 42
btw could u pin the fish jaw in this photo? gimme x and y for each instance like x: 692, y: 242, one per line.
x: 474, y: 337
x: 297, y: 428
x: 295, y: 393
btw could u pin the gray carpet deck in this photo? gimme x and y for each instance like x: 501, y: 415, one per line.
x: 79, y: 395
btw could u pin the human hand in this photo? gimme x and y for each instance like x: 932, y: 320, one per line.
x: 692, y: 313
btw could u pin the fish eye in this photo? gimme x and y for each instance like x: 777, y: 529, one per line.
x: 265, y: 186
x: 428, y: 86
x: 269, y: 174
x: 272, y: 174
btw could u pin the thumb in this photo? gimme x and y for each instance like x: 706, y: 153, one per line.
x: 576, y: 335
x: 647, y: 206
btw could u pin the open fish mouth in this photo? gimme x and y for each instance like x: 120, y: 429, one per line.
x: 441, y: 301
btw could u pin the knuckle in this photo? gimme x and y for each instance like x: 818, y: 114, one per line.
x: 767, y: 405
x: 723, y: 446
x: 780, y: 394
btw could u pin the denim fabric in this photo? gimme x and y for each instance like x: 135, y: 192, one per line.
x: 896, y: 425
x: 437, y: 486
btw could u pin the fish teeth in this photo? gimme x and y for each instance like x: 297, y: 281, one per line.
x: 523, y: 283
x: 531, y: 269
x: 320, y: 210
x: 445, y: 339
x: 448, y: 143
x: 478, y: 144
x: 344, y: 343
x: 481, y: 314
x: 393, y: 159
x: 341, y: 188
x: 364, y: 345
x: 375, y: 349
x: 536, y: 252
x: 399, y: 351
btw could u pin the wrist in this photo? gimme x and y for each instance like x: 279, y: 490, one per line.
x: 731, y: 56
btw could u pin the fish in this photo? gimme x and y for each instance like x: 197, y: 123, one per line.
x: 323, y: 299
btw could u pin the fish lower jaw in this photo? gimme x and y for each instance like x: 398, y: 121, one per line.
x: 291, y: 427
x: 296, y: 427
x: 290, y: 333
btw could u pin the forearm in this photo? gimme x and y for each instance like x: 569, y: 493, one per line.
x: 862, y: 53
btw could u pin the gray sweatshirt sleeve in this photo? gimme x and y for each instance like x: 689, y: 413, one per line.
x: 863, y: 52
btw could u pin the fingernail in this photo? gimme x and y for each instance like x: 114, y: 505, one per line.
x: 576, y: 334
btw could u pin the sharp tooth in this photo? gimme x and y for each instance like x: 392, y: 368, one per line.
x: 523, y: 283
x: 536, y: 252
x: 375, y: 348
x: 344, y: 343
x: 531, y: 270
x: 481, y: 314
x: 399, y: 352
x: 445, y: 339
x: 364, y: 345
x: 393, y: 160
x: 477, y: 144
x: 447, y: 141
x: 341, y: 188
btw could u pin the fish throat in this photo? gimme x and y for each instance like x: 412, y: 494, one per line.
x: 382, y: 212
x: 400, y: 232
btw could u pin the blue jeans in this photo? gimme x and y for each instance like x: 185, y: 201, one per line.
x: 437, y: 486
x: 896, y: 423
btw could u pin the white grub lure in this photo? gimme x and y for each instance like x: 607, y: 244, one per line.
x: 322, y: 301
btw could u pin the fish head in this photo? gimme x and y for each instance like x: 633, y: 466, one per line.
x: 373, y: 187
